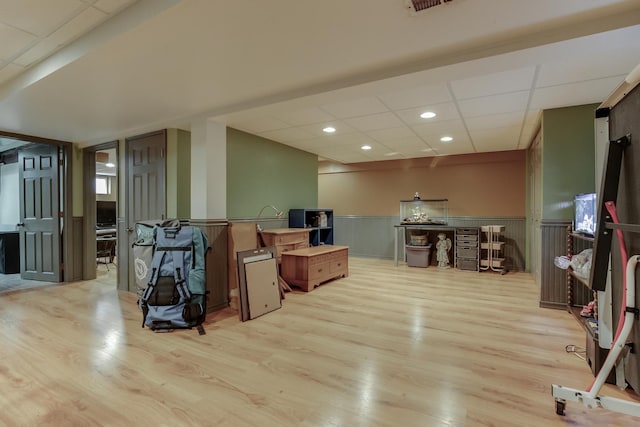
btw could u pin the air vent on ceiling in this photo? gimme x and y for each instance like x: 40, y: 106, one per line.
x: 416, y: 6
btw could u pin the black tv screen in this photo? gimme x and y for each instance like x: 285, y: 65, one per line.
x: 585, y: 218
x: 105, y: 213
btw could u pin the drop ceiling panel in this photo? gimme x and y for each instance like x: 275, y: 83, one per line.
x: 81, y: 23
x: 407, y: 144
x: 316, y: 129
x: 495, y: 121
x: 494, y: 84
x: 416, y: 97
x: 496, y: 104
x: 374, y: 122
x: 589, y: 67
x: 13, y: 42
x: 392, y: 134
x: 592, y: 91
x: 442, y: 128
x: 305, y: 116
x: 38, y: 17
x: 356, y: 107
x: 444, y: 111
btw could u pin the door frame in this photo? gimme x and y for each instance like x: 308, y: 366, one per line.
x: 89, y: 205
x: 70, y: 268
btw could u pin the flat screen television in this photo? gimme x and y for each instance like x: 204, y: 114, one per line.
x: 586, y: 210
x: 105, y: 213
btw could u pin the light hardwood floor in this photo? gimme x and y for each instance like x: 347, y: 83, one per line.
x: 386, y: 346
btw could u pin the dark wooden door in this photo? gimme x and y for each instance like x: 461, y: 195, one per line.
x: 146, y: 184
x: 39, y: 213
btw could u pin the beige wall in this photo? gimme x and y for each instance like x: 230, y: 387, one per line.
x: 477, y: 185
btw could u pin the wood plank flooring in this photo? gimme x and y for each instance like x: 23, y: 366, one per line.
x: 386, y: 346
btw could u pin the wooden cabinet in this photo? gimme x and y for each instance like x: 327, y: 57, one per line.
x: 308, y: 268
x: 318, y: 221
x: 286, y: 239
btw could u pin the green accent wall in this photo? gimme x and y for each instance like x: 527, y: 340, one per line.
x: 178, y: 174
x: 568, y: 158
x: 262, y: 172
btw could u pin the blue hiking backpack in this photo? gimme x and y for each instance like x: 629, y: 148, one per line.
x: 176, y: 295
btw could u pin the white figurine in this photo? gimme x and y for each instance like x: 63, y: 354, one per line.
x: 443, y: 247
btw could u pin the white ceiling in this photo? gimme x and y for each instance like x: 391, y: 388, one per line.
x: 285, y: 69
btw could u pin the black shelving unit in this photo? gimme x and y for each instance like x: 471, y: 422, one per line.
x: 310, y: 218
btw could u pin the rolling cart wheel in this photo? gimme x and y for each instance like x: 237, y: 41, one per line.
x: 560, y: 403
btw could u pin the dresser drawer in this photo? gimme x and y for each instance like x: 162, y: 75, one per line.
x: 290, y: 238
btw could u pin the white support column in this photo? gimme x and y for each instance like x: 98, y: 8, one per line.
x: 208, y: 170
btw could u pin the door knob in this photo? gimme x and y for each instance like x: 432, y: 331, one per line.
x: 20, y: 224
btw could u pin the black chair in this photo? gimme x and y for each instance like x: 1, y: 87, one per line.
x: 105, y: 250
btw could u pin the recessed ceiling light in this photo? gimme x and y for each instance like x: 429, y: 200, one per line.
x: 446, y: 139
x: 110, y: 165
x: 366, y: 147
x: 428, y: 115
x: 392, y: 153
x: 329, y: 129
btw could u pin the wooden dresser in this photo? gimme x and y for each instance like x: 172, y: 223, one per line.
x: 286, y: 239
x: 308, y: 268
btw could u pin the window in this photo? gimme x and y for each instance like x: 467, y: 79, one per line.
x: 103, y: 185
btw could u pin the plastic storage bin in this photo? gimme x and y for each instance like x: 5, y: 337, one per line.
x: 418, y: 256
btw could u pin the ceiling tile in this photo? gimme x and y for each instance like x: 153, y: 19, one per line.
x: 356, y: 107
x: 391, y: 134
x: 592, y: 91
x: 316, y: 129
x: 494, y: 84
x: 38, y: 51
x: 412, y: 143
x: 438, y: 129
x: 584, y: 68
x: 13, y: 42
x: 80, y: 24
x: 416, y: 97
x: 496, y: 104
x: 305, y: 116
x: 495, y: 121
x: 375, y: 122
x: 444, y: 111
x: 38, y: 17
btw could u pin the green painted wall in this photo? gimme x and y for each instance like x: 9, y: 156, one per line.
x: 568, y: 158
x: 178, y: 173
x: 261, y: 172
